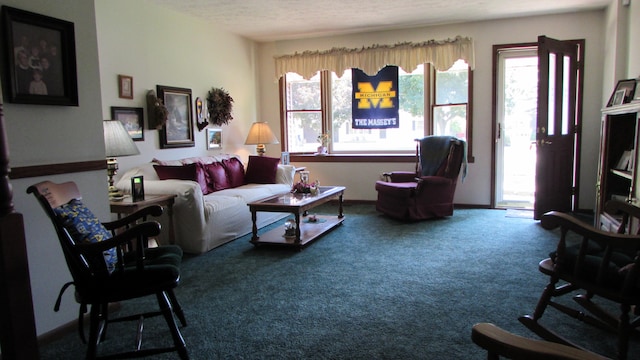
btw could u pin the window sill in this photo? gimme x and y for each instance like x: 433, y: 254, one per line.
x: 354, y: 158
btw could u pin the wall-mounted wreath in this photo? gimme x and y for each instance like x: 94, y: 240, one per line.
x: 219, y: 105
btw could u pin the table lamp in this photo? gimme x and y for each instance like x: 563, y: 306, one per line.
x: 260, y: 134
x: 117, y: 142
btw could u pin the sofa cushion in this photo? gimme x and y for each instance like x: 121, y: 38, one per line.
x: 217, y: 177
x: 235, y: 171
x: 194, y: 172
x: 261, y: 170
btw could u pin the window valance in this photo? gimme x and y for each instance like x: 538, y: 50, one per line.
x: 441, y: 53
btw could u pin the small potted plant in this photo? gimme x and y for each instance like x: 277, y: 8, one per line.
x: 323, y: 139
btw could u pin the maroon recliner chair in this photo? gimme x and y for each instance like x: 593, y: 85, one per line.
x: 428, y: 192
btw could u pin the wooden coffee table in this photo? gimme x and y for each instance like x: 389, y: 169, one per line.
x: 298, y: 205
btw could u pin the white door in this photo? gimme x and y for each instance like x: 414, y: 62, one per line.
x: 516, y: 111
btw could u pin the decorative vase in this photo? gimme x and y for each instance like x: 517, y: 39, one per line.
x: 322, y: 150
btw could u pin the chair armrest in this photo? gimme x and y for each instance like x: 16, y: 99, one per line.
x: 130, y: 220
x: 400, y: 176
x: 500, y: 342
x: 140, y: 233
x: 555, y: 219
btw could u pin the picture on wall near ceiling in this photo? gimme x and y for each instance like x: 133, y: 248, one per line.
x: 178, y: 130
x: 132, y: 119
x: 40, y: 61
x: 214, y: 139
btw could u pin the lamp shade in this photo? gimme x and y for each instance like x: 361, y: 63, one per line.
x: 117, y: 140
x: 260, y: 133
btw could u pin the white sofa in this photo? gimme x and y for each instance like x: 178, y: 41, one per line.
x: 203, y: 222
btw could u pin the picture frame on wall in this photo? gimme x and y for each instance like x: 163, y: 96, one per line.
x: 40, y: 64
x: 125, y: 87
x: 178, y: 130
x: 133, y: 120
x: 214, y: 139
x: 628, y: 87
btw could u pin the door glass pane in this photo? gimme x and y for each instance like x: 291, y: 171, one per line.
x: 552, y: 95
x: 566, y: 121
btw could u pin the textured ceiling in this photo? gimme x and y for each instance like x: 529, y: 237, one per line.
x: 270, y: 20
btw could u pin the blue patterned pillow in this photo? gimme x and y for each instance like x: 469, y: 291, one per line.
x: 85, y: 227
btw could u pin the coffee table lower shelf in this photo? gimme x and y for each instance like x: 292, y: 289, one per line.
x: 309, y: 231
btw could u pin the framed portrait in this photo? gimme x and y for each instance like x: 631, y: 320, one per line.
x: 628, y: 87
x: 40, y: 64
x: 178, y: 130
x: 125, y: 87
x: 132, y: 119
x: 214, y: 139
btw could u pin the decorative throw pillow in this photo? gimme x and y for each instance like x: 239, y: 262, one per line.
x: 217, y: 176
x: 261, y: 170
x: 235, y: 171
x: 193, y: 172
x: 84, y: 227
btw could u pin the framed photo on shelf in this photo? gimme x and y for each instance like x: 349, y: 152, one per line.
x: 628, y: 88
x: 125, y: 87
x: 132, y: 119
x: 284, y: 158
x: 40, y: 64
x: 178, y: 130
x: 214, y: 139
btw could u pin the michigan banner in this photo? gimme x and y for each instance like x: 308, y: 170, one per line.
x: 375, y: 99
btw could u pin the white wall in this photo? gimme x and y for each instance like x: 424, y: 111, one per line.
x: 158, y: 46
x: 43, y: 134
x: 359, y: 178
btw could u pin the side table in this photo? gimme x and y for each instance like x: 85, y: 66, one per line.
x: 127, y: 206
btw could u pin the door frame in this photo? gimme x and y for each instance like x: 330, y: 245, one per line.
x: 578, y: 127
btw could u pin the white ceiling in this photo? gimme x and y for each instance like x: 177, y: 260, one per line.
x: 270, y: 20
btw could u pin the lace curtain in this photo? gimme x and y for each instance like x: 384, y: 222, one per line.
x: 442, y: 54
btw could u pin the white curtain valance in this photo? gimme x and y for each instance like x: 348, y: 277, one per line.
x: 441, y: 53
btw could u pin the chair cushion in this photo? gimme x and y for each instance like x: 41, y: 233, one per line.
x: 261, y: 170
x: 84, y: 227
x: 161, y: 255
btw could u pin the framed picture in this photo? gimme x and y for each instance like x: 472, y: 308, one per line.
x: 137, y: 188
x: 125, y: 87
x: 284, y: 158
x: 40, y: 59
x: 214, y: 139
x: 618, y: 98
x: 132, y: 119
x: 628, y: 86
x: 178, y: 130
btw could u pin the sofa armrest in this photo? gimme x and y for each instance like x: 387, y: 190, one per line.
x: 285, y: 174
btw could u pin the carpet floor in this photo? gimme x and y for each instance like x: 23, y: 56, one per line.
x: 373, y: 288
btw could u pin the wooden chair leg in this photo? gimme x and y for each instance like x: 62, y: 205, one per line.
x: 177, y: 309
x: 167, y: 312
x: 95, y: 331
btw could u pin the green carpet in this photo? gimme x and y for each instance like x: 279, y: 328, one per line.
x: 373, y: 288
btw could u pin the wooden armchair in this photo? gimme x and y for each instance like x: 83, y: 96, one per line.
x: 105, y: 270
x: 594, y: 264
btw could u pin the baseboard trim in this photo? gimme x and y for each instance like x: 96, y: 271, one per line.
x: 70, y: 327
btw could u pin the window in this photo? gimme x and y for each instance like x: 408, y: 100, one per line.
x: 322, y: 104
